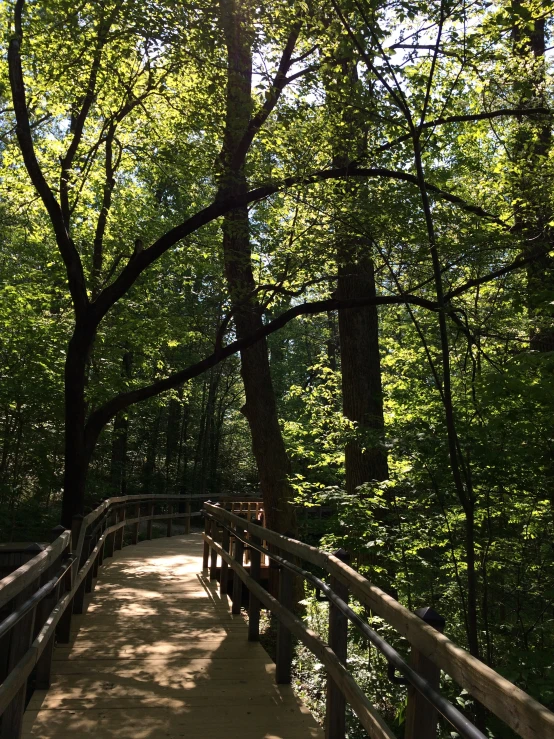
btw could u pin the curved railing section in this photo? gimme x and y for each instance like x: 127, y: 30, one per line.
x: 229, y: 536
x: 38, y: 599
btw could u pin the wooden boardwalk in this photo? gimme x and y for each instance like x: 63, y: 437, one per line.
x: 159, y: 655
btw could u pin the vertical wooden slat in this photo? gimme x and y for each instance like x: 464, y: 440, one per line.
x: 93, y: 571
x: 213, y: 553
x: 421, y: 717
x: 335, y: 716
x: 110, y: 539
x: 150, y: 522
x: 43, y: 667
x: 20, y: 638
x: 206, y: 554
x: 237, y: 583
x: 136, y: 526
x: 119, y: 534
x: 63, y: 629
x: 283, y: 659
x: 79, y: 598
x: 170, y: 521
x: 253, y: 602
x: 187, y: 519
x: 224, y: 572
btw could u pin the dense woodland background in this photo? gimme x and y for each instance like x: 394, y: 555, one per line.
x: 147, y: 223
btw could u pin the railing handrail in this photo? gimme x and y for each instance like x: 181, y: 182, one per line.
x: 525, y: 715
x: 455, y: 718
x: 16, y: 581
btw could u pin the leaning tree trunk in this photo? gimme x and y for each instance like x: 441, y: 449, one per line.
x: 260, y: 407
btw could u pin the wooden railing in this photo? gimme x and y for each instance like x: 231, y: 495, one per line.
x: 228, y: 535
x: 38, y: 599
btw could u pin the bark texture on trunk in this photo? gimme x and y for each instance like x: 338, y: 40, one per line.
x: 260, y: 407
x: 77, y: 455
x: 362, y: 393
x: 532, y: 188
x: 118, y: 466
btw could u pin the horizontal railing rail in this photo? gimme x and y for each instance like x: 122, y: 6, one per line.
x: 228, y: 536
x: 38, y: 599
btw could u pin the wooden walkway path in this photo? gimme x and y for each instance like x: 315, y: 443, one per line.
x: 158, y: 655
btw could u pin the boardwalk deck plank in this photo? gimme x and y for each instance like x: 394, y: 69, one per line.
x: 159, y: 655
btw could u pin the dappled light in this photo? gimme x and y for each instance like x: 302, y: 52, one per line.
x: 158, y: 654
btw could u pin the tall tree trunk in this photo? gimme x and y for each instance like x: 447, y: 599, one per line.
x: 260, y: 407
x: 77, y: 455
x: 151, y: 456
x: 118, y: 466
x: 172, y: 443
x: 362, y: 394
x: 531, y: 187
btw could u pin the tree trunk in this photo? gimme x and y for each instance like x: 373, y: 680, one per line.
x: 260, y: 407
x: 362, y: 394
x: 76, y: 453
x: 118, y: 467
x: 531, y: 186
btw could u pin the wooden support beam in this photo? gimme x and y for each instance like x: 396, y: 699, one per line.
x: 149, y: 522
x: 208, y: 533
x: 187, y: 519
x: 335, y: 714
x: 283, y: 657
x: 20, y: 638
x: 224, y: 572
x: 421, y: 717
x: 253, y: 602
x: 119, y: 534
x: 237, y: 584
x: 136, y: 526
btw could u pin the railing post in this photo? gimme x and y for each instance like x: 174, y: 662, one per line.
x: 237, y: 582
x: 253, y: 602
x: 85, y: 586
x: 20, y: 638
x: 150, y: 522
x: 63, y: 629
x: 170, y: 520
x: 283, y: 658
x: 93, y: 571
x: 110, y: 538
x: 335, y: 716
x: 207, y: 532
x: 187, y: 519
x: 213, y: 554
x: 44, y: 609
x: 223, y: 573
x: 76, y: 524
x: 120, y: 532
x: 99, y: 555
x: 421, y: 717
x: 135, y: 535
